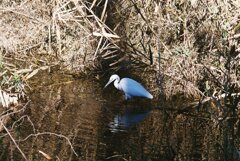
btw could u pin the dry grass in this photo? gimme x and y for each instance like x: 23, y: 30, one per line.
x: 190, y: 48
x: 187, y: 41
x: 39, y: 34
x: 66, y: 30
x: 190, y: 36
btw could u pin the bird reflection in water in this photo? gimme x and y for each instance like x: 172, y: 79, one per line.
x: 122, y: 122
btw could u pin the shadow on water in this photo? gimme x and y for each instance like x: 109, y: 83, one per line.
x: 122, y: 122
x: 98, y: 125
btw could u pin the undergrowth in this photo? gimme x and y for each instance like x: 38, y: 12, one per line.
x: 188, y: 48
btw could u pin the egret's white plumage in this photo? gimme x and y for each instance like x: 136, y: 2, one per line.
x: 130, y: 87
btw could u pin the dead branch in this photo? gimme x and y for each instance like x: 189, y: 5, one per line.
x: 51, y: 133
x: 207, y: 99
x: 23, y: 155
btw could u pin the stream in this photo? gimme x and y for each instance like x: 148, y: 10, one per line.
x: 76, y: 119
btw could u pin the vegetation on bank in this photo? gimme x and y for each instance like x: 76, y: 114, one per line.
x: 183, y: 48
x: 191, y: 43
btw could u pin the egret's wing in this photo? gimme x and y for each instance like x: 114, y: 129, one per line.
x: 133, y: 88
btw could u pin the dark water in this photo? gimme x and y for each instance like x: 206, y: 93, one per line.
x: 100, y: 125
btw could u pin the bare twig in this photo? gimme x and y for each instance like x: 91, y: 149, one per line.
x: 29, y: 120
x: 23, y: 155
x: 14, y: 112
x: 13, y: 10
x: 104, y: 10
x: 45, y: 155
x: 50, y: 133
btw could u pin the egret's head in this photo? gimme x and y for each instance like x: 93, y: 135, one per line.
x: 112, y: 79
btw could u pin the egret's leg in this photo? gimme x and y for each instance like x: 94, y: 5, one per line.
x: 125, y: 102
x: 127, y: 96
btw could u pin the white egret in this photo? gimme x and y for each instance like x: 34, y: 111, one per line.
x: 130, y: 87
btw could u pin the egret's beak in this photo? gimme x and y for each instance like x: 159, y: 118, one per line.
x: 109, y: 82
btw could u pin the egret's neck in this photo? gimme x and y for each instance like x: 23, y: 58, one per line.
x: 116, y: 83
